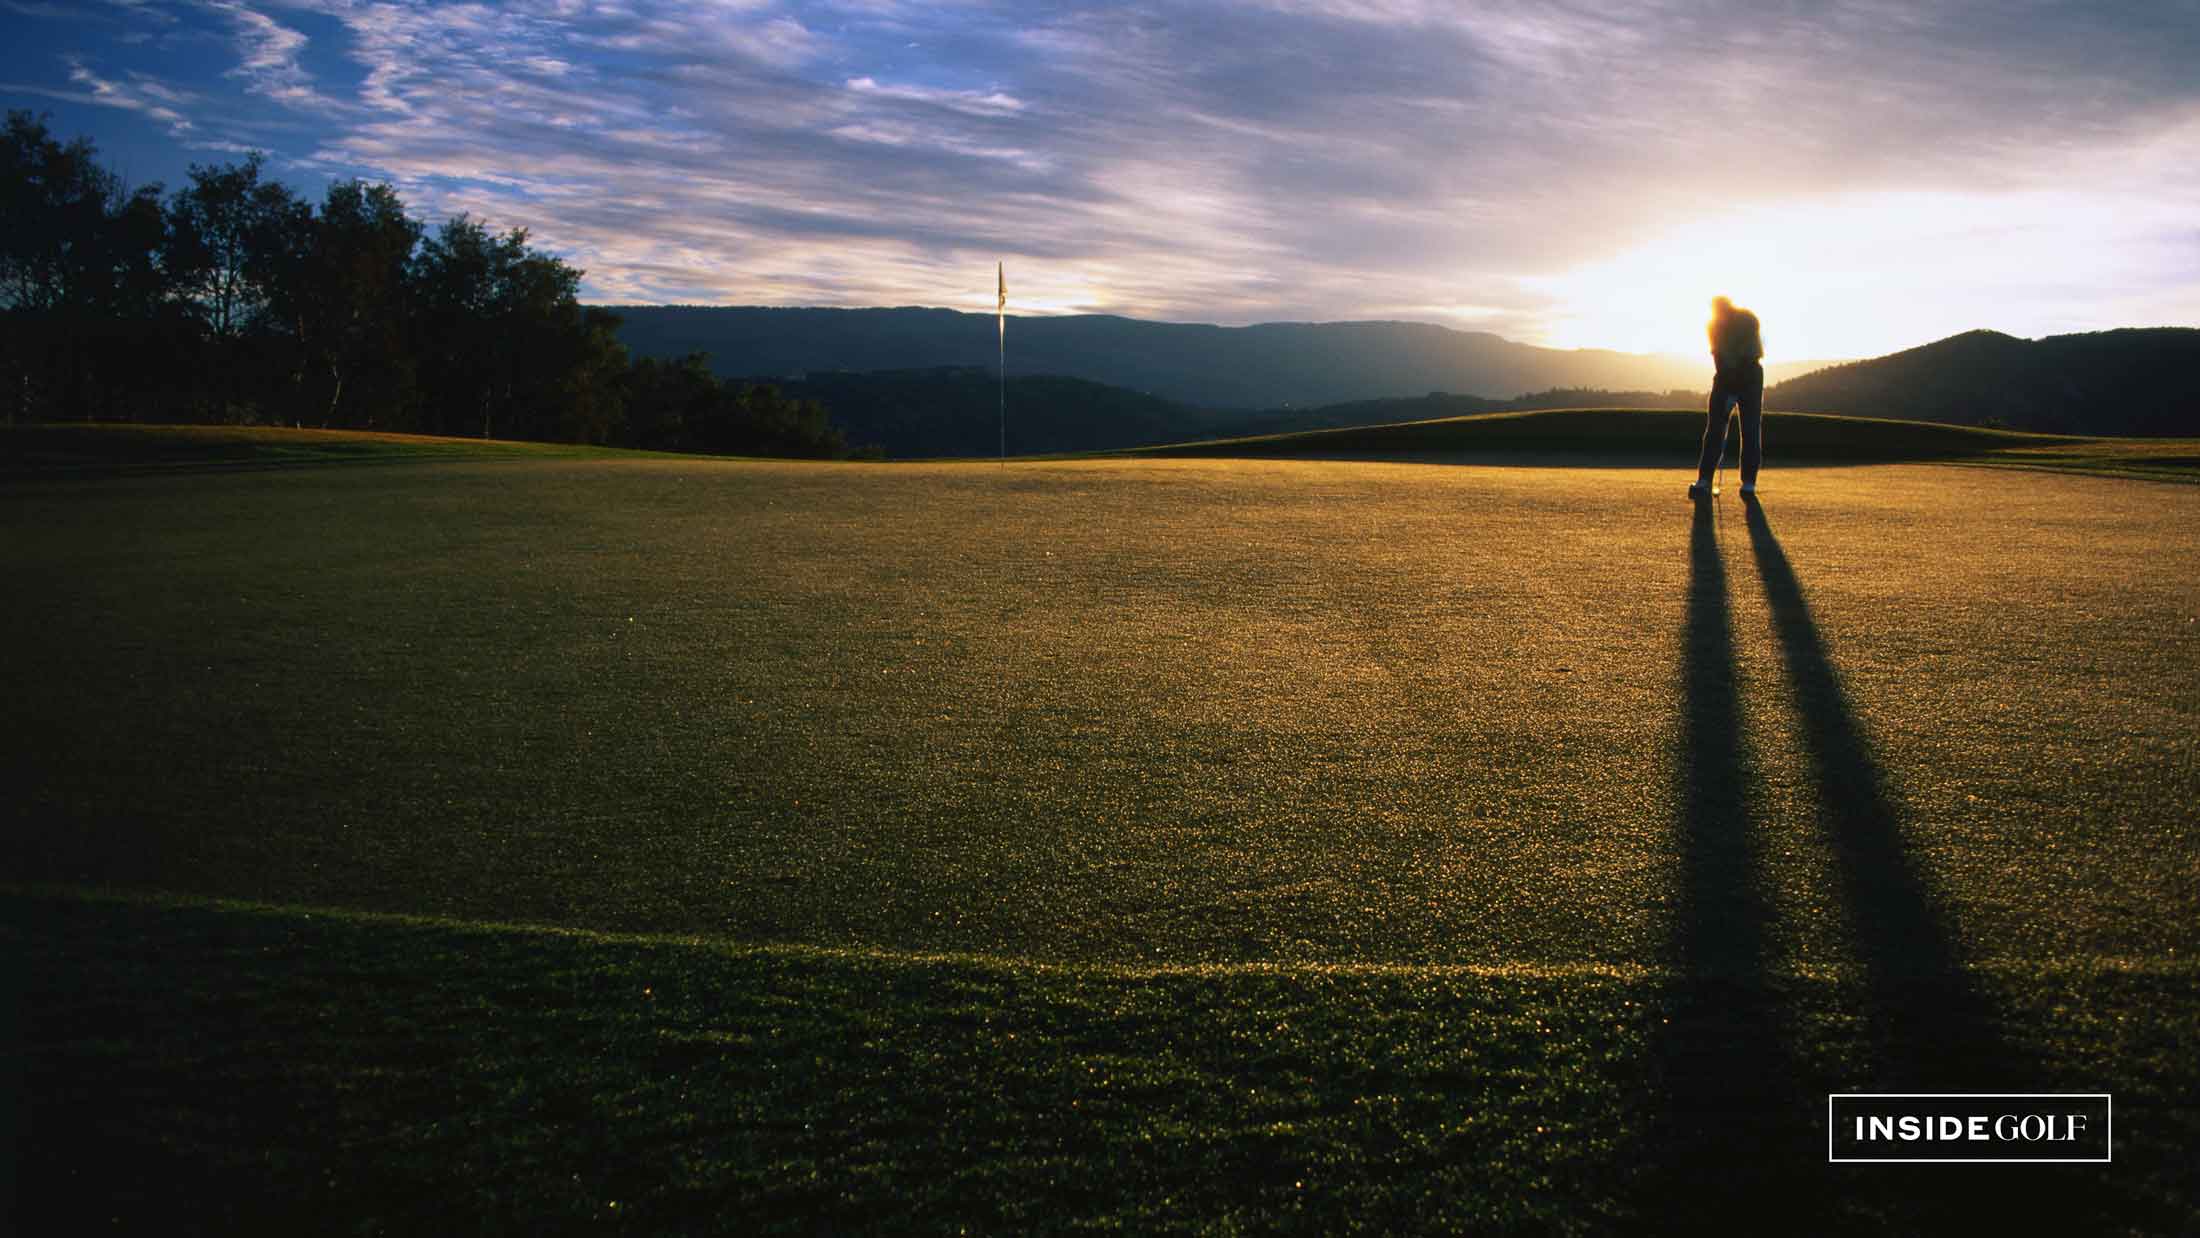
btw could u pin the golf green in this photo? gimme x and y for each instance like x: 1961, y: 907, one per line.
x: 1900, y: 761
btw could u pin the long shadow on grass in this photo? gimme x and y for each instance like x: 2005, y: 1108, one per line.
x: 1929, y: 1028
x: 1934, y: 1031
x: 1729, y: 1128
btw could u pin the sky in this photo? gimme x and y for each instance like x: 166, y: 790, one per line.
x: 1866, y: 176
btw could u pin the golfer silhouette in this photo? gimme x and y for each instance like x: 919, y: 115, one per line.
x: 1737, y: 355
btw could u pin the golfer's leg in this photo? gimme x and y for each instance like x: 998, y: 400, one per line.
x: 1714, y: 435
x: 1753, y: 431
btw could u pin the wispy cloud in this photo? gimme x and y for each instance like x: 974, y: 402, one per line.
x: 142, y: 96
x: 44, y: 9
x: 105, y: 12
x: 268, y: 58
x: 974, y: 102
x: 1481, y: 165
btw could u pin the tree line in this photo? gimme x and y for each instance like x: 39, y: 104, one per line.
x: 234, y: 300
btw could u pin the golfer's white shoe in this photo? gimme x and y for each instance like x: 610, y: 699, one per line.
x: 1749, y: 490
x: 1701, y: 490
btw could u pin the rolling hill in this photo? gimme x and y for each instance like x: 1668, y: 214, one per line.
x: 1266, y: 366
x: 1668, y: 438
x: 956, y: 411
x: 921, y: 381
x: 2130, y: 382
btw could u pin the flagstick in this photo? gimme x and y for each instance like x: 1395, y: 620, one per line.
x: 1004, y: 386
x: 1000, y: 309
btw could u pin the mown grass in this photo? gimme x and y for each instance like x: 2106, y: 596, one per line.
x: 1669, y: 435
x: 98, y: 449
x: 1648, y: 435
x: 221, y: 1067
x: 1313, y: 802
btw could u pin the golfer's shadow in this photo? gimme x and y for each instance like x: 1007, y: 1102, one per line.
x: 1726, y: 1086
x: 1746, y: 1107
x: 1933, y: 1030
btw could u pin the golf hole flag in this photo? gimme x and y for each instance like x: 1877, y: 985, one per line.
x: 1000, y: 311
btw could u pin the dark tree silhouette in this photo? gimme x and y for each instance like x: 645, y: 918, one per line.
x: 80, y: 273
x: 236, y: 300
x: 664, y: 398
x: 231, y: 238
x: 506, y: 342
x: 234, y: 240
x: 347, y: 302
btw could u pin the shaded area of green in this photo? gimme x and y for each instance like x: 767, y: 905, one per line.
x: 1660, y: 437
x: 1669, y: 436
x: 192, y: 1067
x: 75, y: 449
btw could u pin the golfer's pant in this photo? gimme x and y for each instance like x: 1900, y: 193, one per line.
x: 1727, y: 390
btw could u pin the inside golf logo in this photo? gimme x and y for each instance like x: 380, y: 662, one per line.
x: 1941, y: 1126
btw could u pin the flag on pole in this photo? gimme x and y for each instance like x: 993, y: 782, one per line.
x: 1000, y: 310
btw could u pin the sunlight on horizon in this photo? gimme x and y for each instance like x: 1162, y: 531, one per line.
x: 1837, y: 278
x: 1847, y: 277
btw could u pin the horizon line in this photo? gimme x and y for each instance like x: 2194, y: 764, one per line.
x: 1339, y: 322
x: 1242, y: 326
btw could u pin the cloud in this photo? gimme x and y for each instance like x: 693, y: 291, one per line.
x: 44, y: 9
x: 1480, y: 165
x: 974, y: 102
x: 103, y: 11
x: 888, y: 133
x: 781, y: 41
x: 160, y: 92
x: 268, y: 57
x: 142, y: 96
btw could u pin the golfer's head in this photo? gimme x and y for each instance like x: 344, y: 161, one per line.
x: 1721, y: 306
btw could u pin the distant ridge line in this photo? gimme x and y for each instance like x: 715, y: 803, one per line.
x: 1259, y: 366
x: 2141, y: 381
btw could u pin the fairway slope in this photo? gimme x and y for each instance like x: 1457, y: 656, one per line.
x: 1669, y: 437
x: 1614, y: 437
x: 97, y: 449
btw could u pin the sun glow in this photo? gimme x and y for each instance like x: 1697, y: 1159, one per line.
x: 1855, y: 276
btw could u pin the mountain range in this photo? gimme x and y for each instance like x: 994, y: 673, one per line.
x: 1266, y: 366
x: 2137, y: 381
x: 967, y: 411
x: 924, y: 382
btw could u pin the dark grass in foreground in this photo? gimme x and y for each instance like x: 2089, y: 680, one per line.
x: 1669, y: 436
x: 220, y: 1067
x: 1268, y: 769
